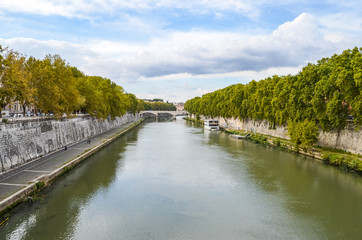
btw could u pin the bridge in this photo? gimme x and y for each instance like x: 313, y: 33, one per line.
x: 165, y: 114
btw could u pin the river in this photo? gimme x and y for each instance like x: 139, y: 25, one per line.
x: 175, y: 180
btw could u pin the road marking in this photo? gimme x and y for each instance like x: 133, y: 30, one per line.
x: 37, y: 171
x: 14, y: 184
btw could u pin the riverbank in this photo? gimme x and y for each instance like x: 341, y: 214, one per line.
x: 25, y: 140
x: 28, y: 181
x: 334, y: 157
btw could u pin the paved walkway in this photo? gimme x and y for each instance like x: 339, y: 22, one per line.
x: 16, y: 179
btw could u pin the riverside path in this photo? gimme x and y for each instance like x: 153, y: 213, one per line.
x: 21, y: 177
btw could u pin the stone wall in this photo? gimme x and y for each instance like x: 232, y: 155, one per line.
x: 22, y: 141
x: 348, y: 139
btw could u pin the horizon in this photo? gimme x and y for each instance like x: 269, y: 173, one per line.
x: 179, y: 50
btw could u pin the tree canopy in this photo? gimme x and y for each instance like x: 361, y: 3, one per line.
x: 53, y: 86
x: 327, y: 94
x: 158, y: 106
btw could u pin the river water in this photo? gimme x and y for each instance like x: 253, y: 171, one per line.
x: 174, y: 180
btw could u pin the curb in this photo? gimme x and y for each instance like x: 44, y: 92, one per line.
x: 19, y: 196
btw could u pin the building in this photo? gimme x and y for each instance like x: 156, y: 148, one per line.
x: 179, y: 106
x: 16, y: 109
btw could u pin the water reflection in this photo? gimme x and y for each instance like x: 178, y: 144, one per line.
x: 58, y: 219
x: 173, y: 180
x: 308, y: 188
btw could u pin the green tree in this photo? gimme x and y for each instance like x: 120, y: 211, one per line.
x: 10, y: 74
x: 55, y: 84
x: 326, y: 93
x: 303, y: 133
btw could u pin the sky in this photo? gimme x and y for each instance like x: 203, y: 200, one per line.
x: 180, y: 49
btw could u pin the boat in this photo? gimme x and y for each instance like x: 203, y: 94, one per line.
x: 238, y: 137
x: 211, y: 124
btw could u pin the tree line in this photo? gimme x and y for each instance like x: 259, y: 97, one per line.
x: 51, y: 85
x: 160, y: 106
x: 322, y: 95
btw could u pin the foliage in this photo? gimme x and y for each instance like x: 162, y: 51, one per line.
x: 325, y: 94
x: 198, y: 117
x: 7, y: 76
x: 258, y: 138
x: 40, y: 185
x: 194, y: 120
x: 53, y: 86
x: 276, y: 142
x: 103, y: 98
x: 158, y: 106
x: 303, y: 133
x: 56, y: 89
x: 345, y: 162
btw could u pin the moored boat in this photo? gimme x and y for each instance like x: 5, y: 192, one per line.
x: 211, y: 124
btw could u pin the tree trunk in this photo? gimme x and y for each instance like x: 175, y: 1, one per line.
x: 24, y: 106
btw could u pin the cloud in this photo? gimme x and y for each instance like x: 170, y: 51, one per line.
x: 87, y: 9
x: 201, y: 54
x: 342, y: 22
x: 194, y: 52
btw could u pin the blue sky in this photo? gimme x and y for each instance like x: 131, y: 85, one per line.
x: 176, y: 49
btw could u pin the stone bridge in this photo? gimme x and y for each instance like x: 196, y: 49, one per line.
x: 157, y: 114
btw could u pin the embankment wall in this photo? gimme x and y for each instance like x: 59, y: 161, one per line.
x: 347, y: 139
x: 24, y: 140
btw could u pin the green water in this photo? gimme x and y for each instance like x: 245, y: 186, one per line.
x: 173, y: 180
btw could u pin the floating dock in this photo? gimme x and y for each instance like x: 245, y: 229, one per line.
x: 238, y: 137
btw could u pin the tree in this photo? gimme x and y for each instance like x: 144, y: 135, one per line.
x: 303, y: 133
x: 9, y: 75
x: 55, y: 84
x: 132, y: 105
x: 94, y: 103
x: 326, y: 93
x: 22, y: 87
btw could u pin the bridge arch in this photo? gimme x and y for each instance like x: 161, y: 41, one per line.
x: 156, y: 114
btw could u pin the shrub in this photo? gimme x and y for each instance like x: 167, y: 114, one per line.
x: 344, y: 162
x: 326, y: 157
x: 303, y: 133
x: 259, y: 139
x: 40, y: 185
x: 353, y: 164
x: 276, y: 142
x: 336, y: 160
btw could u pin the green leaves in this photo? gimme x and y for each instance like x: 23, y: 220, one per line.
x: 303, y: 133
x: 158, y: 105
x: 326, y: 93
x: 104, y: 98
x: 52, y: 85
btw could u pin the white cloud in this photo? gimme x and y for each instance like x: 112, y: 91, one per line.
x: 85, y: 9
x: 196, y: 53
x: 342, y: 22
x: 42, y: 7
x: 292, y: 44
x: 199, y: 54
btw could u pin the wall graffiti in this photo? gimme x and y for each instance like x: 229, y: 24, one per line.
x: 19, y: 145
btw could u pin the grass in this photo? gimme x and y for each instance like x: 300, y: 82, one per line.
x: 194, y: 120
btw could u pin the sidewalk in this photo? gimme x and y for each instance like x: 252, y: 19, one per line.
x: 25, y: 176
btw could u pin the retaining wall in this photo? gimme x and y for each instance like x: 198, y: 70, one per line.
x: 347, y: 139
x: 24, y: 140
